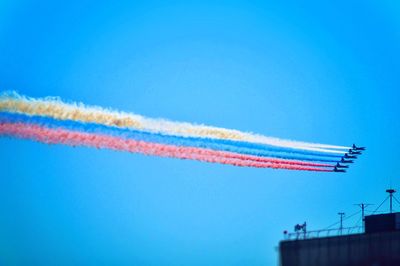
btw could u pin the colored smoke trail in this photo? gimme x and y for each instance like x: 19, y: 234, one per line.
x: 61, y: 136
x: 57, y: 109
x: 215, y: 144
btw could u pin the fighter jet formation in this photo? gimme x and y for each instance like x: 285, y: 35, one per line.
x: 352, y: 154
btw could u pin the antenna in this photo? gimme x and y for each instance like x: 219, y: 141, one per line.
x: 391, y: 191
x: 363, y: 206
x: 341, y: 222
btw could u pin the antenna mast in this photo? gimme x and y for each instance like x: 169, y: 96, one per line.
x: 341, y: 222
x: 363, y: 206
x: 391, y: 191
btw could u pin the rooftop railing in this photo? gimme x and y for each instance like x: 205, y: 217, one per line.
x: 324, y: 233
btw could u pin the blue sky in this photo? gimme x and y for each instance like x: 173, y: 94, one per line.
x: 309, y: 71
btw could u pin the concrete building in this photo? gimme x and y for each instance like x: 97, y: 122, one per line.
x: 378, y: 245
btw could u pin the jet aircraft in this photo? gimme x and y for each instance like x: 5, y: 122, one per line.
x: 347, y: 156
x: 338, y: 165
x: 346, y: 161
x: 355, y: 148
x: 339, y: 170
x: 353, y: 152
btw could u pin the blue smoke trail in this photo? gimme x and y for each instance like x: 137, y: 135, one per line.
x: 215, y: 144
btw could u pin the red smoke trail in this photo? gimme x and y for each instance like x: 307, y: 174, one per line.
x: 55, y: 136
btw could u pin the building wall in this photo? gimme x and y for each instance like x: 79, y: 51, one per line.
x: 377, y: 249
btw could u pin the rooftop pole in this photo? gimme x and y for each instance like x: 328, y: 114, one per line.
x: 391, y: 191
x: 363, y: 206
x: 341, y: 222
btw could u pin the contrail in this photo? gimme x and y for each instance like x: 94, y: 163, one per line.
x: 215, y: 144
x: 55, y: 108
x: 67, y: 137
